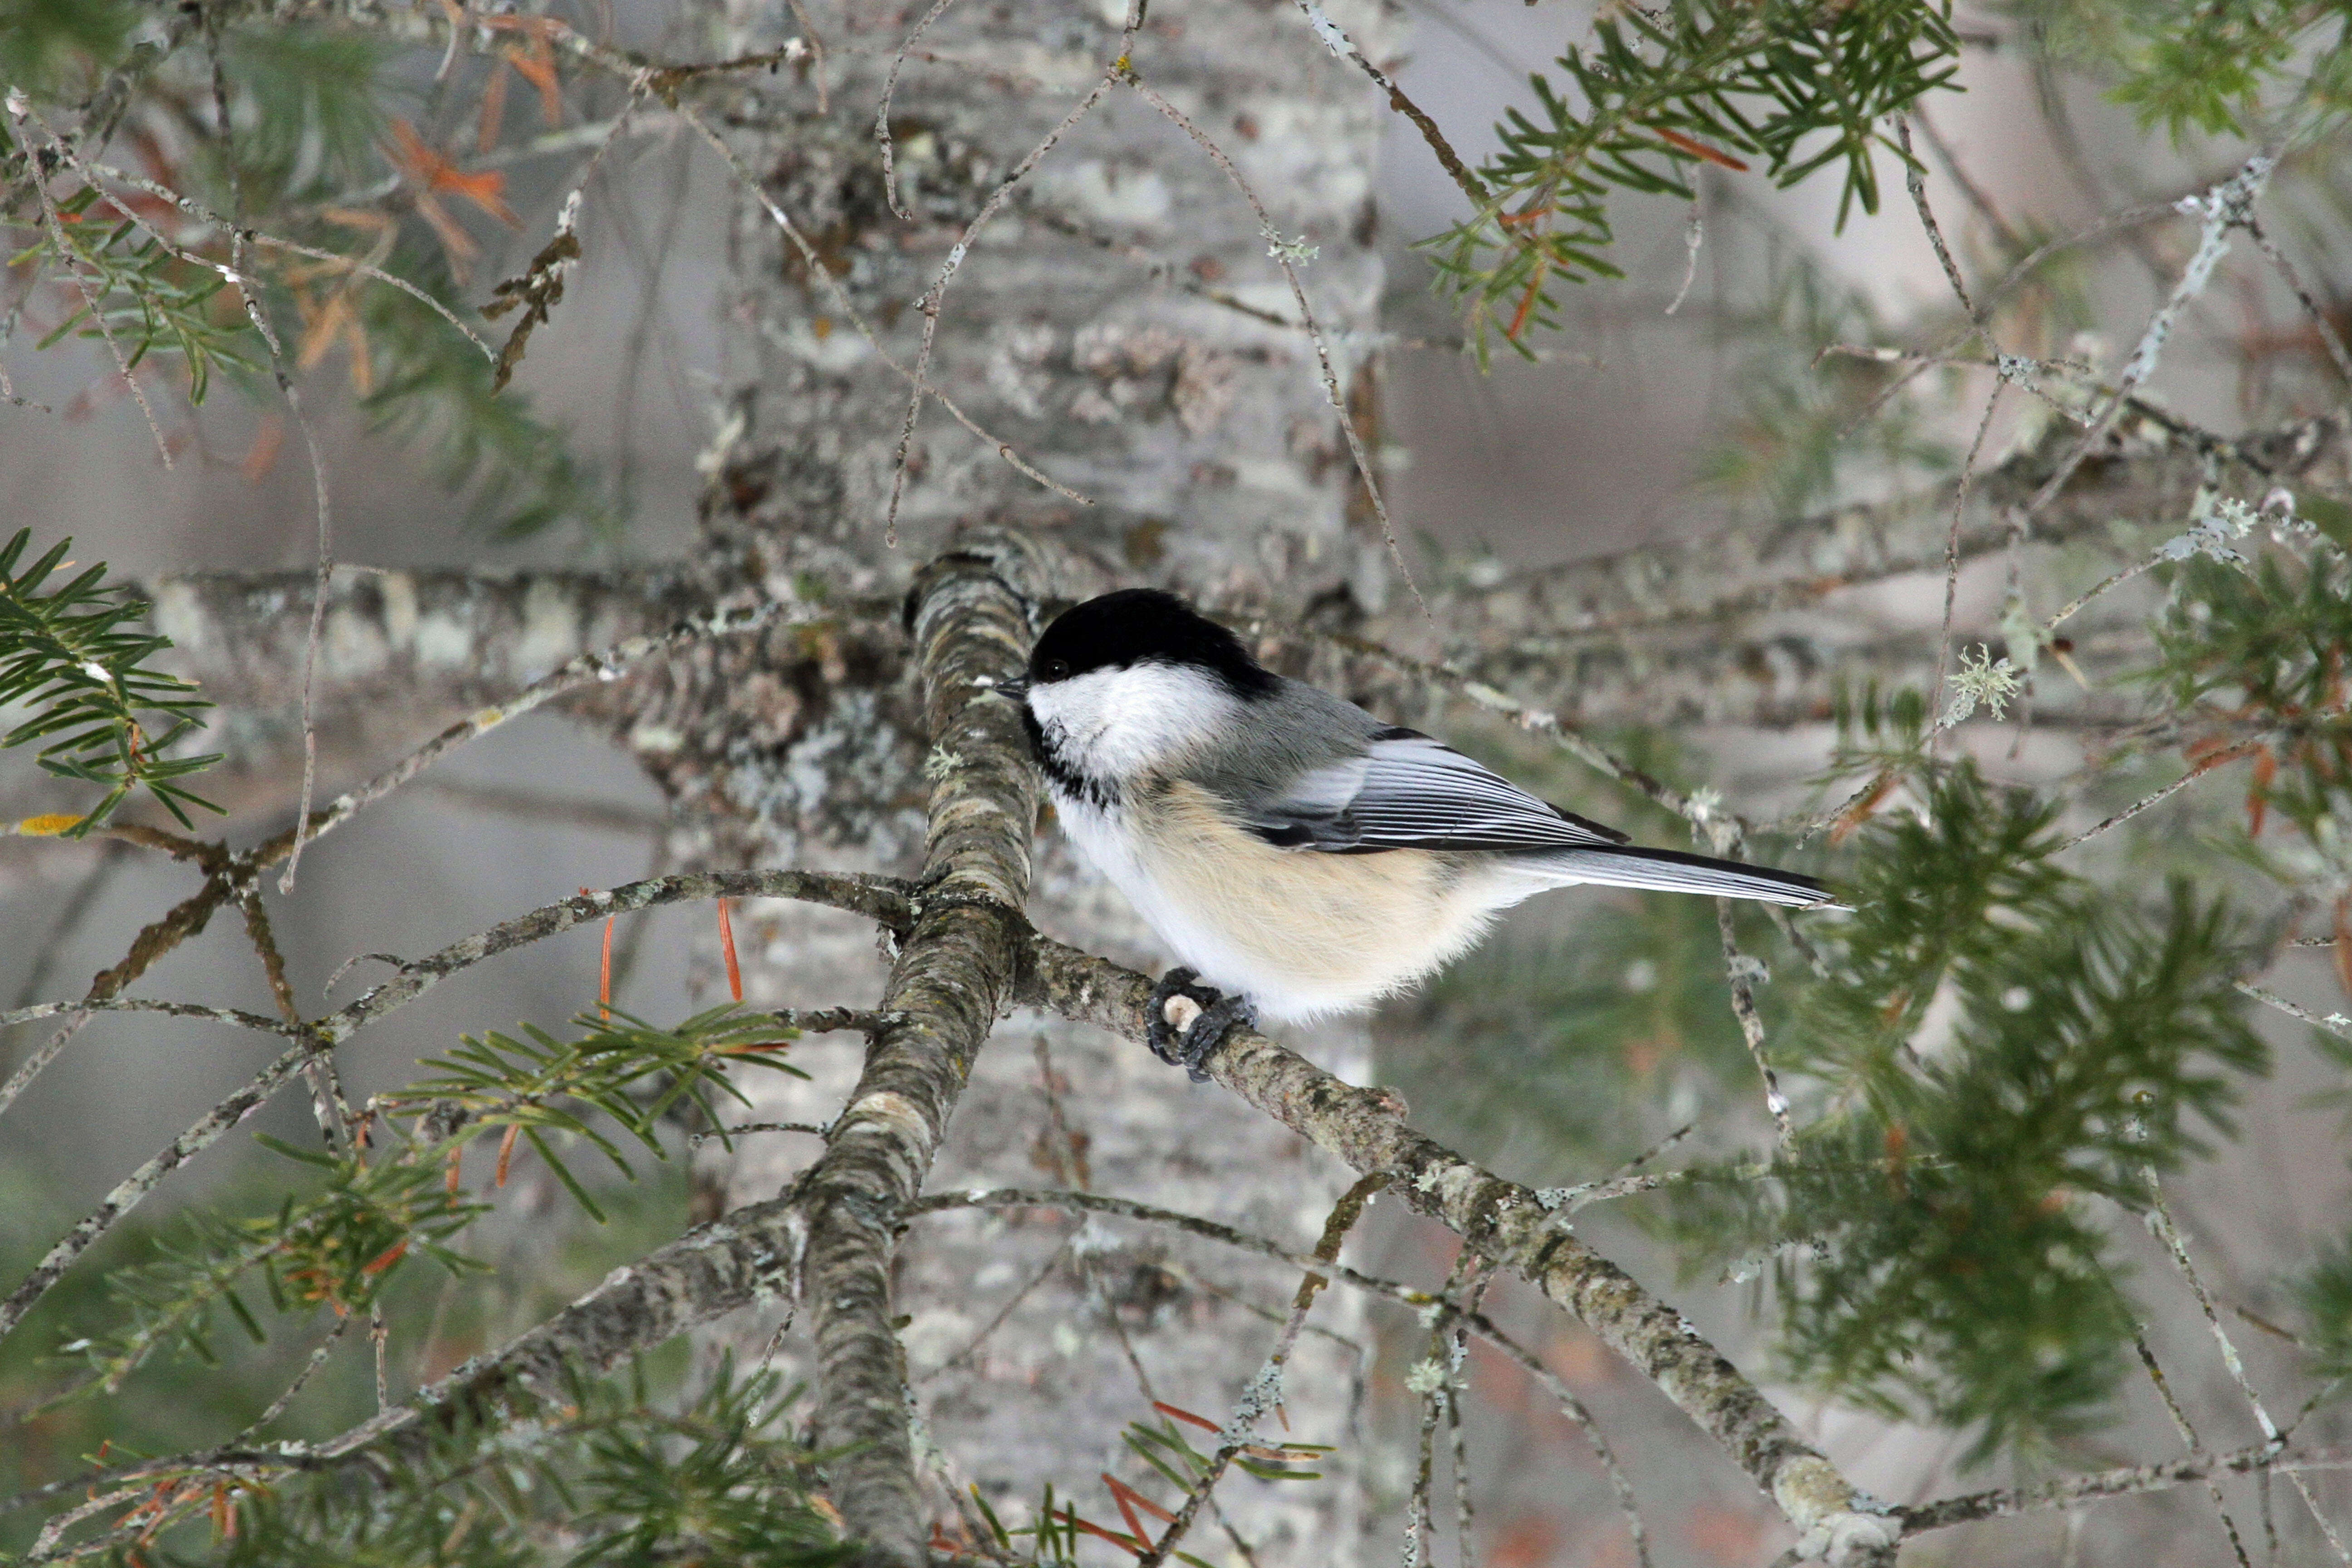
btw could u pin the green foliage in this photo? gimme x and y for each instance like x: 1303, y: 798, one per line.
x: 1932, y: 1243
x: 2256, y: 652
x: 150, y: 299
x: 336, y: 1248
x: 1809, y: 426
x: 1056, y: 1529
x: 2324, y: 1294
x: 75, y: 655
x: 1797, y: 84
x: 45, y: 44
x: 434, y: 391
x: 629, y: 1069
x: 1947, y: 889
x: 340, y: 1246
x: 309, y: 109
x: 2213, y: 67
x: 600, y: 1473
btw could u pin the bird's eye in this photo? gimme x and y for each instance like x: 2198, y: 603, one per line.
x: 1055, y: 670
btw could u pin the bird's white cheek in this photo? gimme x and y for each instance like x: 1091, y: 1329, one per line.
x: 1116, y: 723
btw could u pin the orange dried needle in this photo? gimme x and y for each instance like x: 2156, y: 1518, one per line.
x: 506, y: 1152
x: 1178, y: 1411
x: 727, y: 945
x: 1698, y: 149
x: 1121, y: 1488
x: 1126, y: 1509
x: 605, y: 973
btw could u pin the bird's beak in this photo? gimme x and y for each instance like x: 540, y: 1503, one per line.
x: 1017, y: 688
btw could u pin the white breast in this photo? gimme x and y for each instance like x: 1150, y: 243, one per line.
x: 1301, y: 934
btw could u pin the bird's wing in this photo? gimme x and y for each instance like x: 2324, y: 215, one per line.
x: 1407, y: 791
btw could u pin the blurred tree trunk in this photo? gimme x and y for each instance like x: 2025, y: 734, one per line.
x: 1215, y: 462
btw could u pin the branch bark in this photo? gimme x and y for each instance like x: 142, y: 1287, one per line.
x: 953, y: 975
x: 1507, y: 1224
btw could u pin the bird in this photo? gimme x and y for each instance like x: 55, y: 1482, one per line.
x: 1297, y: 856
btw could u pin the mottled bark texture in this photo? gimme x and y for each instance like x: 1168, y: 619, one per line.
x: 954, y: 970
x: 1203, y: 437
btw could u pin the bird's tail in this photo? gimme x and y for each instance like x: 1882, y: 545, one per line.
x: 1672, y: 871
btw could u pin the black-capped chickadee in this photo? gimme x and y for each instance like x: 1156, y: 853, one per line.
x: 1293, y: 853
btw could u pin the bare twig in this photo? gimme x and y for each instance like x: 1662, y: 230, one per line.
x: 2125, y: 1482
x: 2180, y: 1423
x: 1280, y: 250
x: 17, y: 111
x: 824, y: 278
x: 2225, y: 206
x: 1742, y: 970
x: 1914, y: 178
x: 930, y: 305
x: 1344, y: 47
x: 2321, y: 325
x: 1952, y: 545
x: 882, y: 113
x: 603, y: 664
x: 876, y: 898
x: 1264, y: 1392
x: 2160, y: 1221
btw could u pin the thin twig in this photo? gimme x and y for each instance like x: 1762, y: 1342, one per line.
x: 930, y: 305
x: 601, y: 665
x: 197, y: 210
x: 1264, y: 1390
x: 2341, y: 1030
x: 1344, y: 47
x: 2160, y: 1221
x: 1914, y: 178
x: 1741, y: 971
x: 824, y: 278
x: 876, y: 898
x: 2180, y: 1423
x: 1952, y: 545
x: 2320, y: 324
x: 17, y: 109
x: 882, y: 113
x: 279, y: 1405
x: 1279, y: 249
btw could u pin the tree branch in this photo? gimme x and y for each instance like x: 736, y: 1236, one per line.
x: 970, y: 611
x: 1642, y: 634
x: 1509, y: 1224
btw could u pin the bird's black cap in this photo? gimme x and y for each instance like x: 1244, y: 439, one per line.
x: 1142, y: 625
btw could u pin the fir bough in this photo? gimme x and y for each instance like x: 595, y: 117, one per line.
x: 77, y: 656
x: 600, y: 1470
x: 1798, y: 85
x: 1936, y: 1236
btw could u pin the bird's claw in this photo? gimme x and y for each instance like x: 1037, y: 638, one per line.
x: 1211, y: 1016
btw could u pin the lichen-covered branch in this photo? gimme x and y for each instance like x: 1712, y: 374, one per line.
x: 970, y: 612
x: 1677, y: 632
x: 1509, y: 1224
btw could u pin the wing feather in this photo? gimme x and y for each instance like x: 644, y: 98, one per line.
x: 1409, y: 792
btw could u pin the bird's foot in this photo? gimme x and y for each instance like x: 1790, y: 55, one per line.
x: 1188, y: 1020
